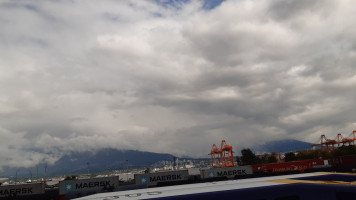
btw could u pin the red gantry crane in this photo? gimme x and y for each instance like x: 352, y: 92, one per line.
x: 223, y: 156
x: 344, y: 141
x: 215, y: 156
x: 325, y: 142
x: 339, y: 140
x: 227, y: 155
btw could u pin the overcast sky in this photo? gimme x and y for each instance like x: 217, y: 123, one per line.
x: 172, y: 76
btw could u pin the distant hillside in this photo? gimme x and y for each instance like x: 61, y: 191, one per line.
x: 107, y: 159
x: 103, y: 160
x: 283, y: 146
x: 112, y: 159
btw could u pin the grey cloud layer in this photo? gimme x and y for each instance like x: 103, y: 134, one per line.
x: 84, y: 75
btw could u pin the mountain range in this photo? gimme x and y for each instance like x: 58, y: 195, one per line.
x: 113, y: 159
x: 282, y: 146
x: 92, y: 162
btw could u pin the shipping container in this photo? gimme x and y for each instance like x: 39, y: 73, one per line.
x: 227, y: 172
x: 84, y: 187
x: 300, y: 166
x: 152, y: 179
x: 344, y: 163
x: 22, y: 190
x: 311, y: 186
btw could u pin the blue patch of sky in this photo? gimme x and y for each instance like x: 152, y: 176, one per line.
x: 170, y: 3
x: 14, y: 5
x: 32, y: 41
x: 207, y: 4
x: 158, y: 15
x: 31, y: 7
x: 211, y: 4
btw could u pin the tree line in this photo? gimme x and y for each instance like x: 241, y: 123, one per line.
x: 249, y: 158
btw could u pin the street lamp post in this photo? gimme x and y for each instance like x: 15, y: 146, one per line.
x: 16, y: 176
x: 45, y: 173
x: 30, y: 174
x: 127, y: 170
x: 88, y: 165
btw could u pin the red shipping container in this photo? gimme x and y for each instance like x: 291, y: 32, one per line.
x: 287, y: 166
x: 343, y: 161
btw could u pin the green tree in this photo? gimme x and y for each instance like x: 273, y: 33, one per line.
x: 238, y: 160
x: 290, y: 156
x: 266, y: 158
x: 261, y: 159
x: 271, y: 159
x: 73, y: 177
x: 305, y: 155
x: 248, y: 157
x: 345, y: 150
x: 325, y: 154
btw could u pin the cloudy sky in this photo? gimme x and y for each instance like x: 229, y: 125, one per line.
x: 172, y: 76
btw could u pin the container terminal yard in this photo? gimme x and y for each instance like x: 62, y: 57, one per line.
x: 224, y: 179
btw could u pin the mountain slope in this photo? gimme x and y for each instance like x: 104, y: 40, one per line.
x: 82, y: 162
x: 283, y: 146
x: 106, y: 159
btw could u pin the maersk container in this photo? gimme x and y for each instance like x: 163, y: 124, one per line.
x: 228, y: 172
x: 83, y: 187
x: 22, y: 190
x: 344, y: 163
x: 288, y: 166
x: 152, y: 179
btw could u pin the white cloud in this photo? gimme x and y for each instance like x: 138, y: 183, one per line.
x: 81, y: 75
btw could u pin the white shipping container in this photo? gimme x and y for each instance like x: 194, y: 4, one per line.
x: 151, y: 179
x: 22, y: 190
x: 229, y: 172
x: 85, y: 186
